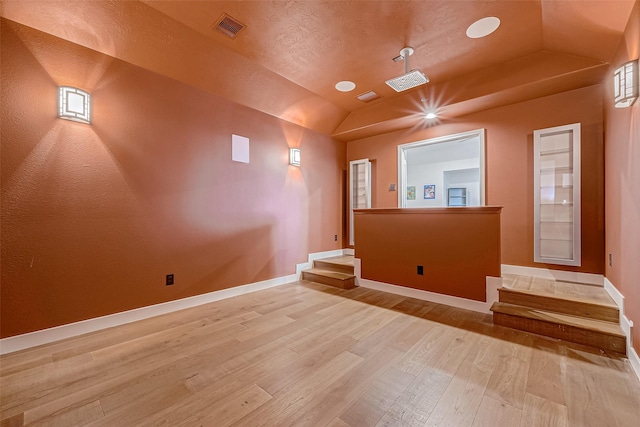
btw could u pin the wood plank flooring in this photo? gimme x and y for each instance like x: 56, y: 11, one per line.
x: 305, y: 354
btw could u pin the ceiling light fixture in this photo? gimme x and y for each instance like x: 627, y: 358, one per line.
x: 625, y: 80
x: 345, y: 86
x: 409, y: 79
x: 431, y: 115
x: 483, y: 27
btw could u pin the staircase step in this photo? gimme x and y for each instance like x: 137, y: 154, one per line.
x: 343, y: 264
x: 557, y: 288
x: 594, y: 333
x: 330, y: 277
x: 561, y: 304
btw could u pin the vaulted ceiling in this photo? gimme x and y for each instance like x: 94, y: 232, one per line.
x: 291, y: 54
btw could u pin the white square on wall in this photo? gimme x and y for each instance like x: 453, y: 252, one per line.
x: 239, y: 148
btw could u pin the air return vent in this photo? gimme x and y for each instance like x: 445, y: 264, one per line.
x: 368, y: 96
x: 228, y: 25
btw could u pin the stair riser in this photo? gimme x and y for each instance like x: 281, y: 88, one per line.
x: 342, y: 284
x: 332, y: 266
x: 567, y: 333
x: 575, y: 308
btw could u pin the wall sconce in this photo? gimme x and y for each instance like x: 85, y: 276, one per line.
x: 294, y: 157
x: 625, y: 81
x: 74, y: 104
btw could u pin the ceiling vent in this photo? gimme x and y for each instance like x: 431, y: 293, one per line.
x: 368, y: 96
x: 229, y: 26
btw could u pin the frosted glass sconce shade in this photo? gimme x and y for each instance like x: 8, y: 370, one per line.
x: 625, y: 82
x: 74, y: 104
x: 294, y: 157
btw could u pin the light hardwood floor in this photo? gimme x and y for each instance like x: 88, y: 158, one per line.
x: 304, y: 354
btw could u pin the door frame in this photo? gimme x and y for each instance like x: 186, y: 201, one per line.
x: 367, y: 184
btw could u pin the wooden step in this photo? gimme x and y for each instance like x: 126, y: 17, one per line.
x: 330, y: 277
x: 561, y: 304
x: 594, y: 333
x: 557, y: 288
x: 343, y: 264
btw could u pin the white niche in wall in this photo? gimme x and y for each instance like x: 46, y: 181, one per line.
x: 556, y: 180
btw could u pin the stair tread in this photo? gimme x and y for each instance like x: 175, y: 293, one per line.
x: 557, y: 289
x: 568, y: 298
x: 553, y: 317
x: 345, y: 260
x: 330, y: 273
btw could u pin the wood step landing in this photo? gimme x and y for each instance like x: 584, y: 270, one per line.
x: 573, y: 306
x: 580, y: 313
x: 334, y: 271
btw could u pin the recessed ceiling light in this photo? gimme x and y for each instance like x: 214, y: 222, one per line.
x: 483, y: 27
x: 431, y: 115
x: 345, y: 86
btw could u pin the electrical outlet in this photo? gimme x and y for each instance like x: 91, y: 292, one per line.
x: 335, y: 237
x: 610, y: 260
x: 169, y: 279
x: 420, y: 270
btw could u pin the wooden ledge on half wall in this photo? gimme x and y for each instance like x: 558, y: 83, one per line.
x: 433, y: 210
x: 448, y: 250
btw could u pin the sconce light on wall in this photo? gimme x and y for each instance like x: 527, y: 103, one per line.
x: 625, y: 81
x: 74, y: 104
x: 294, y: 157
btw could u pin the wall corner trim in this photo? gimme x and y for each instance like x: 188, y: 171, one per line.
x: 625, y: 323
x: 57, y: 333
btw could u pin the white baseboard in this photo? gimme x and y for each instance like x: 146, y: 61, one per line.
x: 348, y: 251
x: 545, y: 273
x: 625, y: 323
x: 32, y: 339
x: 492, y: 285
x: 615, y: 294
x: 634, y: 359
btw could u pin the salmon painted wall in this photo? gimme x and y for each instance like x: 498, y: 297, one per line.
x: 622, y: 183
x: 509, y: 173
x: 94, y: 216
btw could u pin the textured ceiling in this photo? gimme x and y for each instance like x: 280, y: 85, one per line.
x: 315, y: 44
x: 288, y: 59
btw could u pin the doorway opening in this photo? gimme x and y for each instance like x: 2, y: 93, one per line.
x: 443, y: 171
